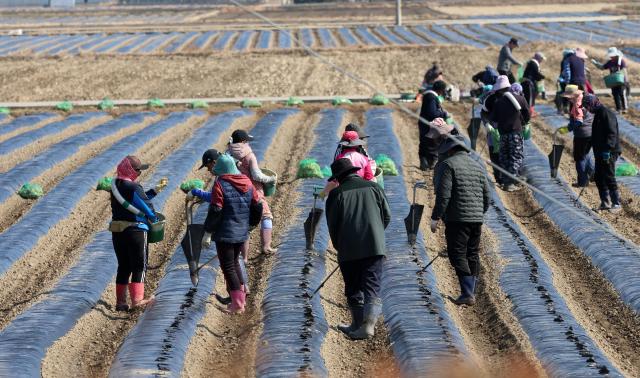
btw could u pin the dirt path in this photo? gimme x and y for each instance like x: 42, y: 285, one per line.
x: 88, y: 349
x: 40, y: 268
x: 495, y: 339
x: 14, y: 207
x: 9, y: 160
x: 589, y: 296
x: 226, y: 343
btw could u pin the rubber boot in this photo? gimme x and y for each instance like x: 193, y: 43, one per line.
x: 136, y: 291
x: 371, y: 312
x: 466, y: 287
x: 265, y: 240
x: 605, y: 202
x: 475, y: 284
x: 357, y: 314
x: 121, y: 297
x: 615, y: 202
x: 237, y: 302
x: 424, y: 163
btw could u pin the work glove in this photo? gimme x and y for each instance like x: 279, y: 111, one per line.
x: 563, y: 130
x: 161, y: 184
x: 449, y: 120
x: 206, y: 240
x: 190, y: 195
x: 434, y: 225
x: 606, y: 155
x: 322, y: 195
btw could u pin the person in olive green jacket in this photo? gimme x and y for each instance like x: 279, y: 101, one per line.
x: 357, y: 215
x: 462, y: 198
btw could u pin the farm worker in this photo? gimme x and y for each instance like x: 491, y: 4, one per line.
x: 432, y: 75
x: 573, y: 69
x: 510, y: 113
x: 606, y: 148
x: 487, y: 76
x: 357, y: 215
x: 235, y: 207
x: 129, y: 231
x: 430, y: 110
x: 209, y: 159
x: 532, y: 75
x: 615, y: 64
x: 462, y: 198
x: 506, y: 60
x: 580, y: 124
x: 487, y: 100
x: 248, y: 165
x: 351, y: 147
x: 562, y: 104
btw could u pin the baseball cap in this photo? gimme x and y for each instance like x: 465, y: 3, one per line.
x: 209, y: 156
x: 240, y: 136
x: 136, y: 163
x: 514, y: 41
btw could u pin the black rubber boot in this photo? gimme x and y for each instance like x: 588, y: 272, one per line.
x: 357, y: 314
x: 372, y: 311
x: 467, y: 284
x: 424, y: 163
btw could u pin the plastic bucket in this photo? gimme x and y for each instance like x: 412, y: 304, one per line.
x: 156, y: 233
x: 270, y: 189
x: 379, y: 177
x: 615, y: 79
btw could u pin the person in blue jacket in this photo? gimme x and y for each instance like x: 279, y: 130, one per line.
x: 129, y: 232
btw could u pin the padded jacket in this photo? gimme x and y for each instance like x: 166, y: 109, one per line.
x: 431, y: 109
x: 133, y: 193
x: 462, y: 190
x: 604, y: 131
x: 505, y: 115
x: 357, y: 215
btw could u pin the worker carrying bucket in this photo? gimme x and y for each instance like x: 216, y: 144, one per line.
x: 234, y: 209
x: 134, y: 224
x: 357, y: 215
x: 462, y: 198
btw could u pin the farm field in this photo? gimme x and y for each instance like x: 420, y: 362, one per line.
x: 559, y: 290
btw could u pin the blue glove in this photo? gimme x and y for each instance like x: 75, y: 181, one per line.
x: 570, y: 126
x: 606, y: 155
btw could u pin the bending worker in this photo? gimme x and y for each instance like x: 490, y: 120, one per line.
x: 129, y: 227
x: 430, y: 110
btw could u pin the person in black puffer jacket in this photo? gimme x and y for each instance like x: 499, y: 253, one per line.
x: 129, y: 232
x: 530, y: 78
x: 462, y: 198
x: 430, y: 110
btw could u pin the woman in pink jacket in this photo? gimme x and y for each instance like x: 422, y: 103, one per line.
x: 351, y: 148
x: 248, y: 165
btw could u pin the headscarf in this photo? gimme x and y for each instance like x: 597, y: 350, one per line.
x: 125, y: 170
x: 225, y: 165
x: 516, y: 88
x: 591, y: 102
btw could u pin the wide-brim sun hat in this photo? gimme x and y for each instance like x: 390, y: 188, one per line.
x: 341, y: 167
x: 502, y: 82
x: 451, y: 142
x: 571, y: 90
x: 613, y: 51
x: 580, y: 53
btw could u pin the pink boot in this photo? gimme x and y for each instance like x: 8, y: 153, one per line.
x: 237, y: 302
x: 136, y: 291
x: 121, y: 297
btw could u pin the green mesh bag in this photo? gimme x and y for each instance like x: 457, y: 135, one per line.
x: 155, y: 103
x: 341, y: 101
x: 309, y: 168
x: 104, y: 184
x: 65, y: 106
x: 520, y: 74
x: 526, y: 133
x: 5, y: 111
x: 626, y: 169
x: 387, y: 165
x: 198, y: 104
x: 106, y: 104
x: 30, y: 191
x: 326, y: 171
x: 379, y: 99
x: 186, y: 186
x: 495, y: 139
x: 294, y: 101
x: 249, y: 103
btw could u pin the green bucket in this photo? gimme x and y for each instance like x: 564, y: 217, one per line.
x: 270, y: 189
x: 156, y: 233
x: 615, y: 79
x: 379, y: 176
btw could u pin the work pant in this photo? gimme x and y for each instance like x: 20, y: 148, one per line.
x: 509, y: 74
x: 132, y: 252
x: 605, y: 177
x: 530, y: 91
x: 463, y: 247
x: 584, y: 165
x: 620, y: 97
x: 428, y: 147
x: 495, y: 159
x: 511, y: 154
x: 228, y: 256
x: 362, y: 279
